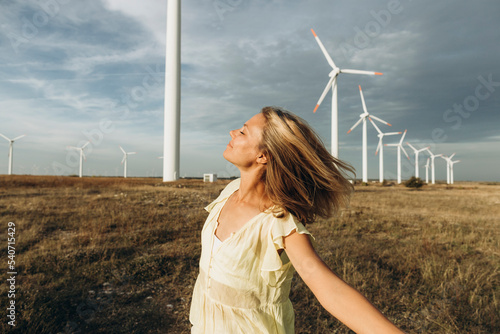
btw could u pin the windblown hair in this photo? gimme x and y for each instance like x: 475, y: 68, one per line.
x: 302, y: 177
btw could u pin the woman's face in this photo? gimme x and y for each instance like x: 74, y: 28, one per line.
x: 243, y: 149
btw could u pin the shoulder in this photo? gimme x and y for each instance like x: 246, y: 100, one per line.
x: 281, y: 228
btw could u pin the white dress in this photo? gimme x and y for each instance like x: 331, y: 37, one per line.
x: 244, y: 284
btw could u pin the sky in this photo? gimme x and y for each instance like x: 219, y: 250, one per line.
x: 73, y: 71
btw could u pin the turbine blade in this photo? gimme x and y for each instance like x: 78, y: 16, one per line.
x: 85, y: 144
x: 84, y: 157
x: 451, y: 156
x: 73, y: 147
x: 380, y: 120
x: 413, y: 148
x: 379, y: 145
x: 393, y: 145
x: 322, y: 47
x: 375, y: 125
x: 327, y: 88
x: 405, y: 152
x: 402, y: 138
x: 392, y: 133
x: 362, y: 99
x: 5, y: 137
x: 360, y: 72
x: 121, y: 148
x: 356, y: 124
x: 18, y: 137
x: 132, y: 153
x: 124, y: 158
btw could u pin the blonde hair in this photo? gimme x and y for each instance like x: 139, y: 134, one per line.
x: 302, y: 177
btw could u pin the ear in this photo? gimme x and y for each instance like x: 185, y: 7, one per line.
x: 262, y: 159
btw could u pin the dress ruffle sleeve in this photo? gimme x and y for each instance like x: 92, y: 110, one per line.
x: 273, y: 264
x: 230, y: 188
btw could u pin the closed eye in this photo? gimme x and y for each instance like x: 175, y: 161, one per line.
x: 242, y: 132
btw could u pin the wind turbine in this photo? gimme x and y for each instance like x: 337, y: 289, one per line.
x: 427, y: 171
x: 451, y: 169
x: 362, y: 118
x: 172, y: 103
x: 380, y: 148
x: 11, y: 149
x: 400, y: 147
x: 332, y: 83
x: 124, y: 161
x: 82, y: 155
x: 432, y: 164
x: 448, y: 160
x: 416, y: 156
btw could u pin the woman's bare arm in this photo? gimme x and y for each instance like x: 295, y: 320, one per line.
x: 337, y: 297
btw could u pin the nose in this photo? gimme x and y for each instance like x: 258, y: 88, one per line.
x: 231, y: 133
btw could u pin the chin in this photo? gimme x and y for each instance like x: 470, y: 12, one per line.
x: 225, y: 155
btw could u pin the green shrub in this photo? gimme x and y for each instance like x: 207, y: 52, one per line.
x: 414, y: 182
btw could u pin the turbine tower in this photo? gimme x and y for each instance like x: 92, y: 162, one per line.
x: 11, y: 149
x: 332, y: 83
x: 380, y: 148
x: 451, y: 169
x: 416, y: 156
x: 362, y: 118
x: 400, y: 147
x: 427, y: 171
x: 82, y: 155
x: 432, y: 165
x: 172, y: 110
x: 124, y: 160
x: 448, y: 160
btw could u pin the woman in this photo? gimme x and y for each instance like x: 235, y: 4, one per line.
x: 254, y: 236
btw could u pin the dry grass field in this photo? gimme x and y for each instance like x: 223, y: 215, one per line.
x: 110, y: 255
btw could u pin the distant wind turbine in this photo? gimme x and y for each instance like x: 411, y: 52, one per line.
x: 362, y: 118
x: 124, y: 161
x: 332, y: 83
x: 416, y: 156
x: 433, y: 156
x: 448, y: 161
x: 380, y: 148
x: 451, y: 169
x: 427, y: 170
x: 11, y: 149
x: 82, y: 156
x: 400, y: 147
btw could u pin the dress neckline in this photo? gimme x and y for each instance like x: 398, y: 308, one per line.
x: 242, y: 228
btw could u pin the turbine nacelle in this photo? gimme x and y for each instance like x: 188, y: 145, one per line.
x: 336, y: 71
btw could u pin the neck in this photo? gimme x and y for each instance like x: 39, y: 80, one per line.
x: 252, y: 189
